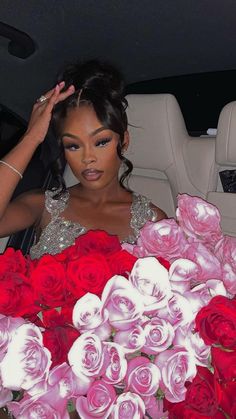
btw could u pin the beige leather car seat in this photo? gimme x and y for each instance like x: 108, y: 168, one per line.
x: 166, y: 160
x: 226, y: 159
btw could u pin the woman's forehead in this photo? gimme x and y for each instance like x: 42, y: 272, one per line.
x: 83, y: 115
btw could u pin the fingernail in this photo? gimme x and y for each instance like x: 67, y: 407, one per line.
x: 61, y: 83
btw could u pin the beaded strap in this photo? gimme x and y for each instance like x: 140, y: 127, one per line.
x: 56, y: 206
x: 141, y: 212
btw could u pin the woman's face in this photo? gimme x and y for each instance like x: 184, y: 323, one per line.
x: 90, y: 148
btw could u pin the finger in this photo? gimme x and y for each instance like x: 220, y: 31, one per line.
x: 59, y: 96
x: 56, y: 97
x: 48, y: 95
x: 52, y: 91
x: 68, y: 92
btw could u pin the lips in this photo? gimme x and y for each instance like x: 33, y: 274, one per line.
x: 92, y: 174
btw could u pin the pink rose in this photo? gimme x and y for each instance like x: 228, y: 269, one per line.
x: 183, y: 274
x: 5, y: 395
x: 88, y: 316
x: 98, y: 402
x: 131, y: 340
x: 199, y: 219
x: 177, y: 366
x: 150, y: 279
x: 115, y: 363
x: 54, y: 392
x: 177, y: 312
x: 136, y: 250
x: 201, y: 295
x: 27, y: 361
x: 191, y: 340
x: 164, y: 238
x: 142, y: 377
x: 123, y: 303
x: 64, y: 383
x: 154, y: 408
x: 159, y: 335
x: 8, y: 327
x: 209, y: 265
x: 128, y: 406
x: 226, y: 253
x: 31, y: 407
x: 86, y: 357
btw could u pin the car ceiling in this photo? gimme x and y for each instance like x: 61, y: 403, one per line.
x: 148, y: 39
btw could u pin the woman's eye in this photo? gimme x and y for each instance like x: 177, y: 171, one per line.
x: 71, y: 147
x: 103, y: 142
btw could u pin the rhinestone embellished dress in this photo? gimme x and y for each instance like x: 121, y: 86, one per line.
x: 61, y: 233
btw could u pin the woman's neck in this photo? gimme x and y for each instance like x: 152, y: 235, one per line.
x: 112, y: 193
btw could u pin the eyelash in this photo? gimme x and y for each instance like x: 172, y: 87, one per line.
x: 71, y: 147
x: 103, y: 142
x: 100, y: 143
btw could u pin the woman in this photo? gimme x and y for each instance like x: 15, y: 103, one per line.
x: 87, y: 112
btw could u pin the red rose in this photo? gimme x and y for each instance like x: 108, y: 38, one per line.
x: 224, y: 363
x: 13, y: 261
x: 181, y: 411
x: 58, y: 317
x: 202, y: 399
x: 201, y: 394
x: 49, y: 282
x: 95, y: 241
x: 216, y: 322
x: 121, y: 263
x: 16, y: 298
x: 228, y: 402
x: 88, y: 274
x: 59, y: 335
x: 59, y: 341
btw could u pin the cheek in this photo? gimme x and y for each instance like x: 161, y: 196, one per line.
x: 108, y: 157
x: 73, y: 159
x: 112, y: 160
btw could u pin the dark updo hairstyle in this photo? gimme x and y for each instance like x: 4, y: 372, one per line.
x: 101, y: 86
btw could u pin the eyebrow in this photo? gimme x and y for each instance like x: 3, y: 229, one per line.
x: 76, y: 137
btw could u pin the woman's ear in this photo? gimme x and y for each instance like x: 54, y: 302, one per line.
x: 126, y: 141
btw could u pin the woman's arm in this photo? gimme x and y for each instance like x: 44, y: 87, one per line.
x: 25, y: 210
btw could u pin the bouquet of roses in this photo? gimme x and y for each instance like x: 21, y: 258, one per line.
x: 124, y: 332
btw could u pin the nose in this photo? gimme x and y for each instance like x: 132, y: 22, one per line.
x: 88, y: 156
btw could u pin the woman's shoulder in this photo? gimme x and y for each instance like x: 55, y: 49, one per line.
x: 34, y: 196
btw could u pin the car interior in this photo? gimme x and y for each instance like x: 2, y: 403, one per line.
x: 179, y: 63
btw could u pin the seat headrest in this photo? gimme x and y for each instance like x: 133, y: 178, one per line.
x: 153, y: 120
x: 226, y: 136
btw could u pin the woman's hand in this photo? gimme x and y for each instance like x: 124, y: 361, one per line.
x: 42, y: 112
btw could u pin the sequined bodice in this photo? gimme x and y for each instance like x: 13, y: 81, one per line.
x: 61, y: 233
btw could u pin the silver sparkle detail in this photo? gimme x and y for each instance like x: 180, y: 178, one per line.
x: 61, y: 233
